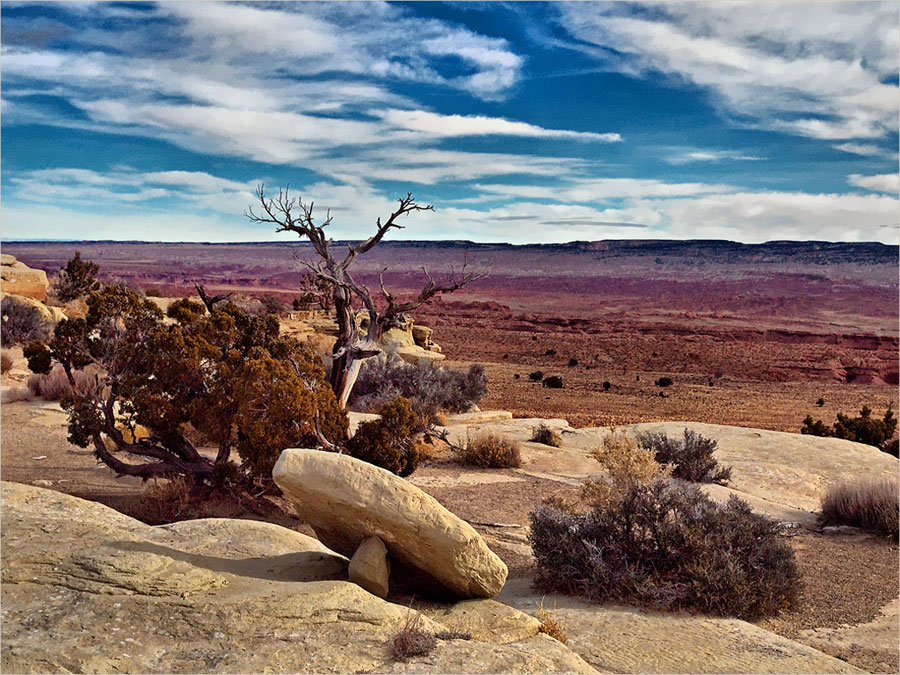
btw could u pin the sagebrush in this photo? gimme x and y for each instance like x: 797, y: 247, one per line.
x: 430, y: 388
x: 690, y: 456
x: 871, y: 504
x: 21, y: 322
x: 55, y: 385
x: 547, y: 436
x: 491, y: 451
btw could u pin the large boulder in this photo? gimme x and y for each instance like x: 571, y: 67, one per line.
x: 400, y: 342
x: 86, y: 589
x: 346, y: 500
x: 18, y: 278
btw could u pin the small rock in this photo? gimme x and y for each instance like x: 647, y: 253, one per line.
x: 370, y: 567
x: 841, y: 529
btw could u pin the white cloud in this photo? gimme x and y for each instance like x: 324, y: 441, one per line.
x: 813, y: 69
x: 448, y: 126
x: 886, y: 182
x: 599, y: 189
x: 859, y: 149
x: 691, y: 156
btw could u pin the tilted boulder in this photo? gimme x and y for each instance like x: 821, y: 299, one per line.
x: 346, y: 500
x: 17, y: 278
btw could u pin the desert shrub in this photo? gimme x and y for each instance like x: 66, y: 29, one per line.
x: 869, y: 504
x: 546, y: 435
x: 691, y: 456
x: 553, y: 382
x: 551, y: 626
x: 664, y: 382
x: 239, y: 382
x: 627, y: 465
x: 607, y: 385
x: 6, y: 361
x: 186, y: 310
x: 862, y: 429
x: 892, y: 447
x: 165, y: 501
x: 666, y: 545
x: 550, y: 352
x: 536, y: 376
x: 573, y: 362
x: 820, y: 402
x: 389, y: 442
x: 431, y: 388
x: 491, y: 451
x: 412, y: 640
x: 39, y: 358
x: 272, y: 304
x: 77, y: 278
x: 55, y: 386
x: 14, y: 394
x: 21, y: 322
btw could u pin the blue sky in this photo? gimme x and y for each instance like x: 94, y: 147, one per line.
x: 520, y: 122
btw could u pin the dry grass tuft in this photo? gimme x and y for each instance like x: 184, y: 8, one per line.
x: 870, y: 504
x: 491, y: 451
x: 165, y: 501
x: 627, y: 464
x: 551, y: 626
x: 15, y: 394
x: 546, y: 435
x: 412, y: 640
x: 53, y: 386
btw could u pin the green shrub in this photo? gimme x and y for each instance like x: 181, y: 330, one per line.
x: 664, y: 382
x: 389, y: 442
x: 691, y: 456
x: 666, y: 545
x: 872, y: 505
x: 536, y: 376
x: 546, y: 435
x: 863, y: 429
x: 553, y: 382
x: 21, y: 322
x: 491, y: 451
x: 77, y: 278
x: 186, y: 310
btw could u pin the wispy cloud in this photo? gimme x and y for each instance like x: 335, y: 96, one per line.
x: 886, y: 182
x: 691, y: 156
x: 813, y: 69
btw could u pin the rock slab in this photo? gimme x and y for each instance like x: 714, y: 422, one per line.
x: 370, y: 568
x: 346, y: 500
x: 17, y: 278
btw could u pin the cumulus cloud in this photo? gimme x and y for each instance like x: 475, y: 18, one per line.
x: 886, y: 182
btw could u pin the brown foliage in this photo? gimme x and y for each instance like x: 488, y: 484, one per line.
x: 867, y: 503
x: 389, y: 442
x: 412, y: 640
x: 551, y: 626
x: 491, y: 451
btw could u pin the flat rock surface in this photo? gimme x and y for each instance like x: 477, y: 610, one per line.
x: 627, y: 640
x: 87, y: 589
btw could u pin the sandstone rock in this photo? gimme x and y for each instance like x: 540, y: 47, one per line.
x: 19, y: 279
x: 370, y: 567
x: 87, y: 589
x: 401, y: 343
x: 487, y: 620
x: 346, y: 500
x: 139, y: 432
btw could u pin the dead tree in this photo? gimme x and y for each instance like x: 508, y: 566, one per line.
x: 290, y: 214
x: 208, y: 300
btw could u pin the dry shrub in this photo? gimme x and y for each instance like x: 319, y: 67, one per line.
x: 869, y: 504
x: 691, y: 456
x: 546, y: 435
x: 21, y: 322
x: 412, y: 640
x: 627, y: 464
x: 54, y: 386
x: 165, y: 501
x: 491, y: 451
x: 453, y: 635
x: 551, y: 626
x: 14, y: 394
x: 6, y: 361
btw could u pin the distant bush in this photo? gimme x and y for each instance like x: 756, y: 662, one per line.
x: 536, y: 376
x: 664, y: 382
x: 77, y: 278
x: 872, y: 505
x: 691, y: 456
x: 21, y: 322
x: 389, y: 442
x: 863, y: 429
x: 546, y: 435
x: 55, y: 386
x: 272, y: 304
x: 820, y: 402
x: 553, y: 382
x: 573, y: 362
x: 431, y: 388
x: 491, y: 451
x: 668, y: 546
x: 607, y: 385
x: 550, y: 352
x: 6, y: 361
x: 186, y: 310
